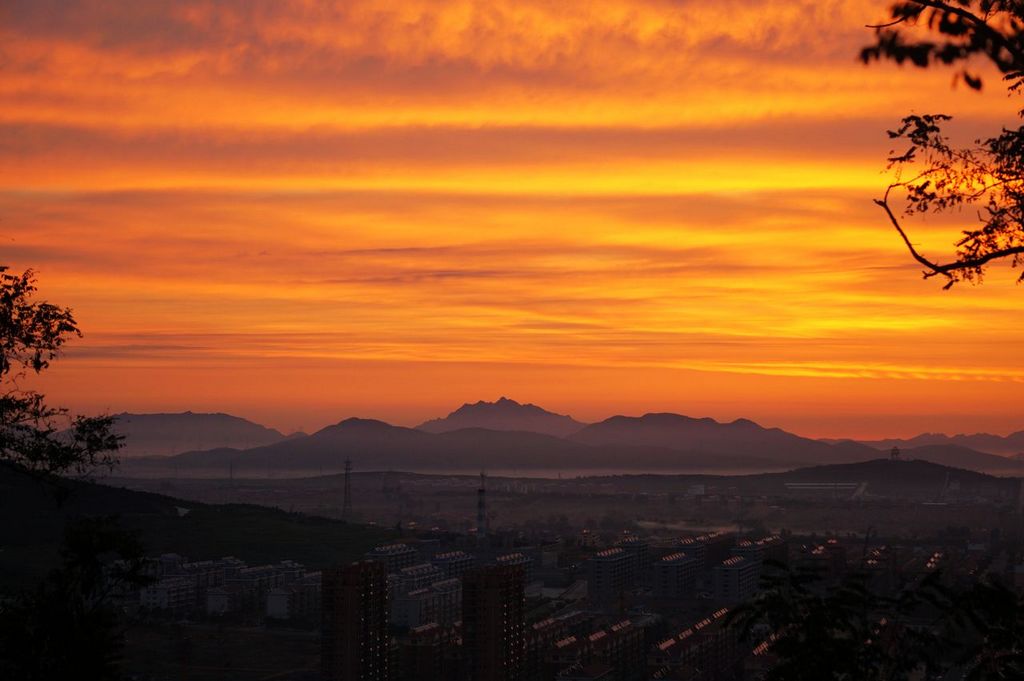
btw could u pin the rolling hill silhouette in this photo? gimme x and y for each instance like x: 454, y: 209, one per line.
x: 653, y: 442
x: 738, y: 438
x: 901, y: 479
x: 169, y: 434
x: 376, y: 445
x: 1008, y: 445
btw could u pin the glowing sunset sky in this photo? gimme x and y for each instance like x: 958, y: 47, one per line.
x: 298, y: 213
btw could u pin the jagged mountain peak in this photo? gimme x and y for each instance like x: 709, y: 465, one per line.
x: 504, y: 414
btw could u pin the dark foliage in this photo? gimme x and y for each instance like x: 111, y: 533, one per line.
x: 842, y: 631
x: 936, y: 176
x: 845, y: 630
x: 987, y: 624
x: 44, y: 440
x: 68, y: 627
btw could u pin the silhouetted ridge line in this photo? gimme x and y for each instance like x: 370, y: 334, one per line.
x: 504, y: 414
x: 658, y: 442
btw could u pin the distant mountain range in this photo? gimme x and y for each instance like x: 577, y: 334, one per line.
x: 376, y: 445
x: 505, y: 414
x: 738, y: 438
x: 1009, y: 445
x: 497, y: 436
x: 168, y: 434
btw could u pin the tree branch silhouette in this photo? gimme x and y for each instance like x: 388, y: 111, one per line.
x: 989, y: 174
x: 932, y: 268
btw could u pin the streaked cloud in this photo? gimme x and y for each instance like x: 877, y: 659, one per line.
x: 656, y: 204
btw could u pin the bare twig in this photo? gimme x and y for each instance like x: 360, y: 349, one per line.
x: 890, y: 24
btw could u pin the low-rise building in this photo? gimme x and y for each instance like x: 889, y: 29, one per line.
x: 394, y: 556
x: 705, y: 651
x: 177, y: 594
x: 707, y: 549
x: 736, y: 579
x: 414, y: 577
x: 610, y: 574
x: 675, y: 576
x: 639, y: 552
x: 453, y: 563
x: 299, y: 600
x: 440, y: 602
x: 520, y: 559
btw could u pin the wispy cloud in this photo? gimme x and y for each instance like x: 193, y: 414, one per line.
x: 426, y: 199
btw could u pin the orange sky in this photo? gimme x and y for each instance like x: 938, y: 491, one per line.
x: 298, y: 213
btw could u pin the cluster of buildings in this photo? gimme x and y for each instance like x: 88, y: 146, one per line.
x: 711, y: 566
x: 426, y: 586
x: 642, y: 609
x: 488, y: 609
x: 217, y: 588
x: 483, y: 608
x: 637, y: 611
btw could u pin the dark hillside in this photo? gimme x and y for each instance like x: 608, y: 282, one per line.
x: 31, y: 527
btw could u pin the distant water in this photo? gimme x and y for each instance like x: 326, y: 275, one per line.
x: 550, y: 474
x: 535, y: 473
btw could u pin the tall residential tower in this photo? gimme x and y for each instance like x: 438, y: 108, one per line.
x: 494, y: 622
x: 355, y: 642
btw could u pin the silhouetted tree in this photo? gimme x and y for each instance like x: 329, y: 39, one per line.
x: 36, y: 437
x: 986, y: 623
x: 936, y: 176
x: 66, y: 627
x: 926, y: 629
x: 837, y: 632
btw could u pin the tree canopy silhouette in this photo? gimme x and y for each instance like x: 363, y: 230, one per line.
x: 41, y: 439
x: 67, y: 626
x: 936, y: 176
x: 928, y: 627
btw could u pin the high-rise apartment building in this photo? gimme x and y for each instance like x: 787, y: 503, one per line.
x: 493, y: 622
x: 355, y: 642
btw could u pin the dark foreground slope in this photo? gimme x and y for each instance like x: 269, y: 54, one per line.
x: 32, y: 522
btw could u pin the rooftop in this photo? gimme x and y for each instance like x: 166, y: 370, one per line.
x: 676, y: 557
x: 391, y: 549
x: 610, y: 553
